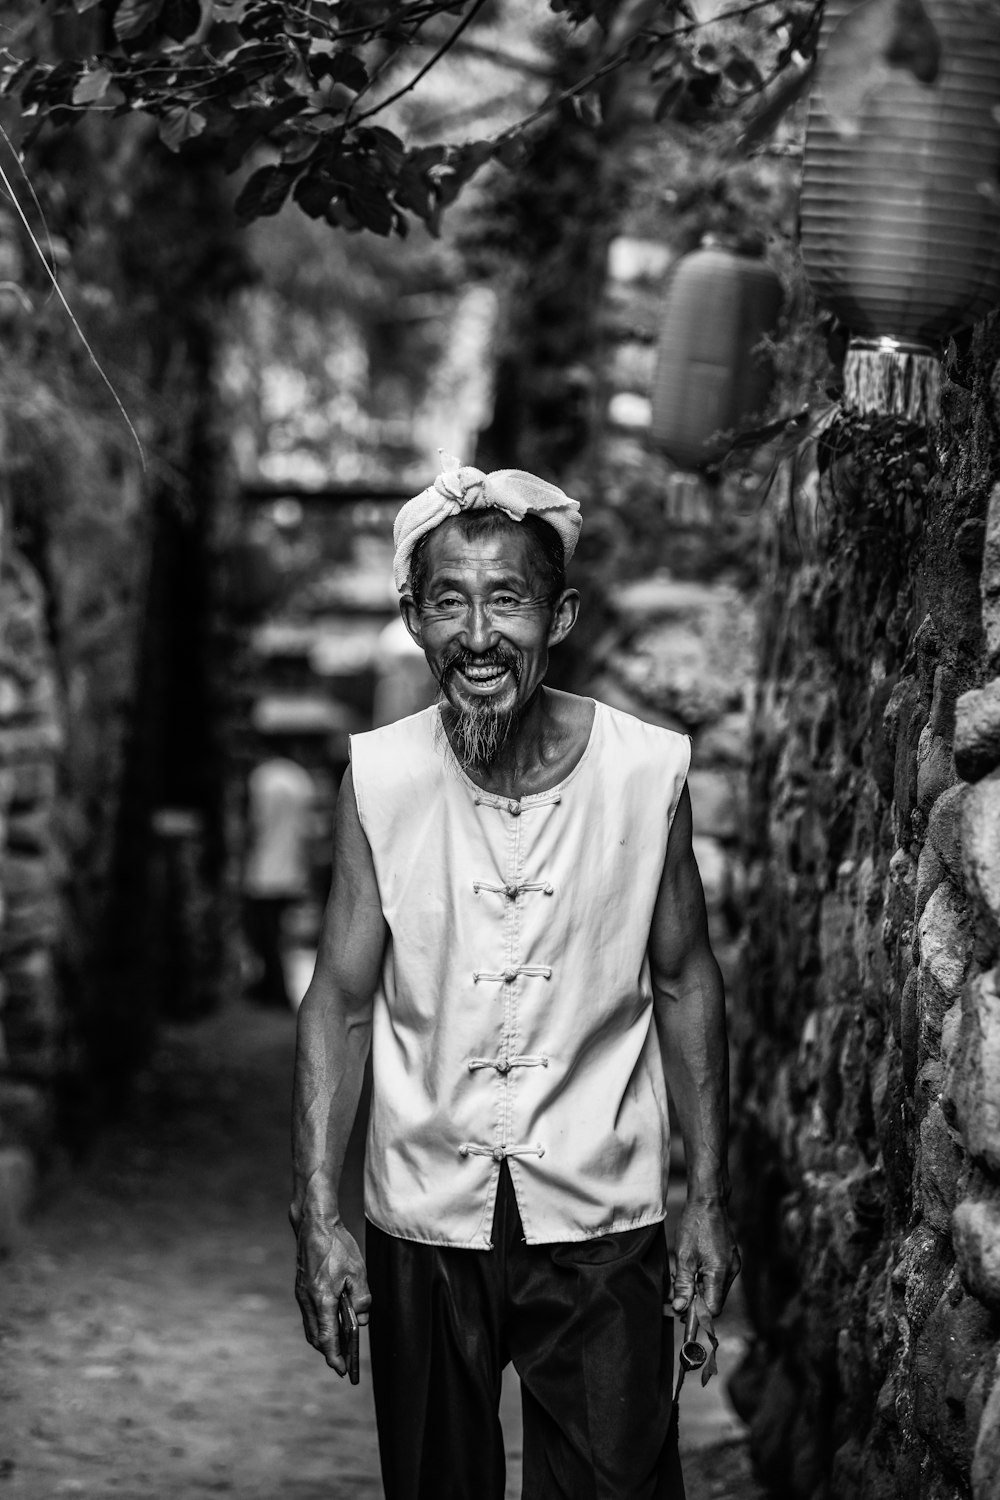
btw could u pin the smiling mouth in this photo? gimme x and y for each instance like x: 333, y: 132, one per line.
x: 483, y: 678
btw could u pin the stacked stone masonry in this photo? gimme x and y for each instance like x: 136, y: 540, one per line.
x: 30, y: 740
x: 868, y: 1151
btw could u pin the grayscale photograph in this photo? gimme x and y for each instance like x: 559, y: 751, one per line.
x: 500, y: 749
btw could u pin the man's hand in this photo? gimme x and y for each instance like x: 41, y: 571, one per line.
x: 707, y: 1257
x: 328, y: 1259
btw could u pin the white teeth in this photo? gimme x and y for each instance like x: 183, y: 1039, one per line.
x: 484, y: 674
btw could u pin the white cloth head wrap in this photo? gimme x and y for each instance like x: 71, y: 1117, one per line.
x: 459, y: 487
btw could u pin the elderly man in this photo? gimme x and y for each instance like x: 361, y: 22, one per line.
x: 517, y: 929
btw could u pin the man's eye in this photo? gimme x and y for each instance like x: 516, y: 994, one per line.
x: 506, y: 601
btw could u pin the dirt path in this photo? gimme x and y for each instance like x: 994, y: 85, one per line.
x: 150, y: 1346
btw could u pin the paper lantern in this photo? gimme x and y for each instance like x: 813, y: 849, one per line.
x: 900, y: 215
x: 712, y: 370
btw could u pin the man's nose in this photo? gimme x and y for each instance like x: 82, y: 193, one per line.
x: 480, y: 633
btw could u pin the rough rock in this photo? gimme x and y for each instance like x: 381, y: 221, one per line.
x: 942, y: 715
x: 903, y: 698
x: 880, y: 753
x: 977, y: 732
x: 944, y: 829
x: 947, y: 1355
x: 976, y: 1230
x: 986, y: 1458
x: 945, y: 940
x: 935, y: 767
x: 911, y: 723
x: 981, y: 842
x: 930, y: 873
x: 940, y: 1162
x: 989, y: 585
x: 973, y: 1080
x: 951, y: 1025
x: 836, y: 926
x: 909, y: 1029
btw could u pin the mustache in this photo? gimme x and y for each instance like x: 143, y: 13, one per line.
x: 496, y: 656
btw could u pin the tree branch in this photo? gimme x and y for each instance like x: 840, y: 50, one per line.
x: 445, y: 46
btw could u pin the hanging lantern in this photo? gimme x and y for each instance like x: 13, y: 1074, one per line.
x: 900, y: 213
x: 712, y: 371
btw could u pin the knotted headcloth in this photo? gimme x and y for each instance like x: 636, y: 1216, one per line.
x: 459, y: 487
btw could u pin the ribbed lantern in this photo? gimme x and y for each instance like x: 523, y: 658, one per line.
x: 712, y: 372
x: 900, y: 218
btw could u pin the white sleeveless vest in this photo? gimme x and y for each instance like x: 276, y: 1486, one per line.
x: 514, y: 1019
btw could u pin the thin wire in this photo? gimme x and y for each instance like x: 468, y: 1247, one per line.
x: 34, y: 196
x: 59, y: 293
x: 435, y: 57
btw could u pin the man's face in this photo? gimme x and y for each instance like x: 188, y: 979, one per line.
x: 485, y: 623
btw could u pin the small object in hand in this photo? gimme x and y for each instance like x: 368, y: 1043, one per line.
x: 350, y: 1338
x: 692, y: 1355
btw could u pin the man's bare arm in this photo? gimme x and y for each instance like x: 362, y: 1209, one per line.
x: 691, y: 1021
x: 334, y: 1035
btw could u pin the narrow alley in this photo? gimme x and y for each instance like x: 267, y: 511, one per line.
x: 151, y: 1343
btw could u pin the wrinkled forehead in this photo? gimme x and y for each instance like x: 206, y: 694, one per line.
x: 504, y: 553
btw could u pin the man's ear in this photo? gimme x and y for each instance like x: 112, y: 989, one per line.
x: 411, y: 618
x: 564, y: 616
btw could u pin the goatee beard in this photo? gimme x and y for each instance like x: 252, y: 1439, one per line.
x: 478, y: 734
x: 479, y: 731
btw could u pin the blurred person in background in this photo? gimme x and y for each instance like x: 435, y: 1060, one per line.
x: 403, y: 684
x: 281, y: 800
x: 517, y: 931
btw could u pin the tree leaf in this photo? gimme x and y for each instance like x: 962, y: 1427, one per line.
x: 313, y: 194
x: 16, y: 74
x: 92, y: 86
x: 133, y: 17
x: 342, y: 66
x: 264, y: 192
x: 388, y: 147
x: 180, y: 125
x: 373, y: 209
x: 419, y: 158
x: 511, y: 151
x: 341, y: 216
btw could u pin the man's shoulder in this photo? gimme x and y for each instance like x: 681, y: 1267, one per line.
x: 418, y: 726
x: 400, y: 747
x: 630, y: 727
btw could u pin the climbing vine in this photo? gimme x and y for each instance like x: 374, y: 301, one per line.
x: 303, y: 82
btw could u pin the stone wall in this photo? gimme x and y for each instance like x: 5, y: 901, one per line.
x: 30, y: 737
x: 867, y: 1156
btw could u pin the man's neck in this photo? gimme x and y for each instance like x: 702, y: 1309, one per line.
x: 545, y: 744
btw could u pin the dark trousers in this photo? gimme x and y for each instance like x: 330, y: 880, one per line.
x: 263, y: 918
x: 583, y: 1324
